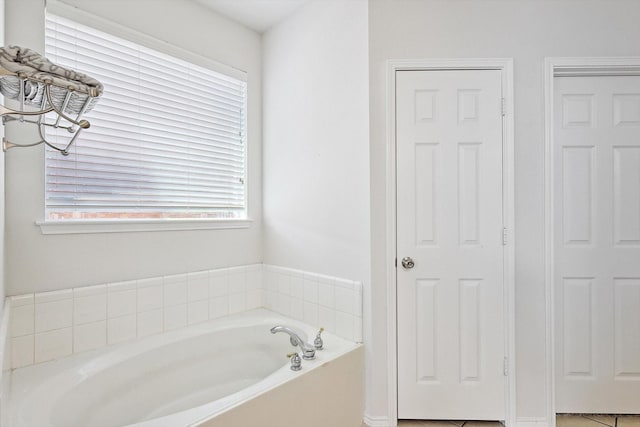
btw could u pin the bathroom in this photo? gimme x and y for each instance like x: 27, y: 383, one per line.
x: 318, y: 197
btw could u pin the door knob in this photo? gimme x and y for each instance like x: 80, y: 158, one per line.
x: 408, y: 263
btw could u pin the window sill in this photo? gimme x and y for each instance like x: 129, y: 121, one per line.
x: 132, y: 225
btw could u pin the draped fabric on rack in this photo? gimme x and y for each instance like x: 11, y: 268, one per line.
x: 24, y: 66
x: 33, y: 81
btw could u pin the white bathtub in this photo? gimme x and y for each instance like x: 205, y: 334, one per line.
x: 182, y: 378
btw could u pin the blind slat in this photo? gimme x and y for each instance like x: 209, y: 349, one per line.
x: 167, y: 139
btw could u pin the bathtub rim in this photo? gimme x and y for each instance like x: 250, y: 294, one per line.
x: 289, y: 376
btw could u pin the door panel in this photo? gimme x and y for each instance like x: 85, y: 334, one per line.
x: 597, y: 244
x: 449, y: 220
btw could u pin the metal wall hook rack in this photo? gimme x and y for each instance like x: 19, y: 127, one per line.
x: 47, y: 105
x: 44, y: 94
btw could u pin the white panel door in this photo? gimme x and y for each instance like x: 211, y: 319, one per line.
x: 449, y: 221
x: 597, y: 244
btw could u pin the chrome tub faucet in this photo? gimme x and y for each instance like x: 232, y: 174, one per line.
x: 308, y: 351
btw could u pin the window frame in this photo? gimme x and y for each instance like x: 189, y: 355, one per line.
x: 105, y: 225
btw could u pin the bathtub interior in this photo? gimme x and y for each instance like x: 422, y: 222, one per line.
x: 155, y: 381
x: 155, y: 384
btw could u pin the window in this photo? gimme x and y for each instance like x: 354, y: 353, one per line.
x: 167, y: 138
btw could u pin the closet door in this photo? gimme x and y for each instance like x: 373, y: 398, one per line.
x: 449, y: 221
x: 597, y: 244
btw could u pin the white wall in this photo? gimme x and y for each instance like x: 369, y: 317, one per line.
x: 37, y: 262
x: 528, y: 31
x: 316, y: 142
x: 316, y: 159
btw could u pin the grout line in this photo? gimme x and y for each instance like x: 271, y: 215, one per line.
x: 600, y: 422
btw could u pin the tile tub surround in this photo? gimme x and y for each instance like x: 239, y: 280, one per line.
x: 315, y: 299
x: 51, y: 325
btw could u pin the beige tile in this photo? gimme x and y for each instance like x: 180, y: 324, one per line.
x: 21, y: 322
x: 121, y: 328
x: 22, y: 351
x: 439, y: 423
x: 424, y: 423
x: 628, y: 421
x: 89, y: 336
x: 609, y: 420
x: 53, y: 345
x: 483, y: 424
x: 53, y: 315
x: 575, y: 421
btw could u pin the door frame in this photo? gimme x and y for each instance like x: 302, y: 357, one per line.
x: 506, y: 66
x: 567, y: 67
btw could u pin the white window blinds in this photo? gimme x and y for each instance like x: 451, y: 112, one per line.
x: 167, y: 138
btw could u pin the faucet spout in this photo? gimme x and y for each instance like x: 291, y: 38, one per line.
x: 308, y: 351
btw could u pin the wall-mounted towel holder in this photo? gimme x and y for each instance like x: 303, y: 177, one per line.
x: 39, y: 87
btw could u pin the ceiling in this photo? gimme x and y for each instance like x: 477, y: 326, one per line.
x: 259, y: 15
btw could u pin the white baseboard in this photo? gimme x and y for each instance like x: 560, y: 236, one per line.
x: 5, y: 348
x: 378, y: 421
x: 531, y: 422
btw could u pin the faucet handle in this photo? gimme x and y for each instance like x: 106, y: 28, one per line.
x: 318, y: 343
x: 296, y: 362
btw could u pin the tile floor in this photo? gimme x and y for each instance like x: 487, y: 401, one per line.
x: 415, y: 423
x: 421, y: 423
x: 562, y: 421
x: 598, y: 421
